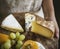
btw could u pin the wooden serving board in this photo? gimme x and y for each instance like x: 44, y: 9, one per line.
x: 48, y: 43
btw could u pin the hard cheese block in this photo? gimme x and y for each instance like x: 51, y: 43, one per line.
x: 11, y: 24
x: 44, y: 28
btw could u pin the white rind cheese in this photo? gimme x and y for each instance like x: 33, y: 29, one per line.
x: 40, y: 46
x: 11, y: 24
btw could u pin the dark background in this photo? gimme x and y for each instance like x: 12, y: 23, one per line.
x: 57, y: 10
x: 57, y: 14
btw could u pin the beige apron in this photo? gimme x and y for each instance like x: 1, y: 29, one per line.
x: 25, y: 6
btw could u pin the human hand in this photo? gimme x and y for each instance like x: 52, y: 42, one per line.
x: 56, y: 30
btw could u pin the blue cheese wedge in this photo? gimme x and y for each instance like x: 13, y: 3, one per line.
x: 28, y: 19
x: 10, y: 23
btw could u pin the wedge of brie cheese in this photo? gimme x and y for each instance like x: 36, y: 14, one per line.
x: 43, y: 28
x: 28, y: 19
x: 11, y: 24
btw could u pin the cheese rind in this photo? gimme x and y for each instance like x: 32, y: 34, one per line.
x: 41, y: 30
x: 11, y: 24
x: 48, y: 24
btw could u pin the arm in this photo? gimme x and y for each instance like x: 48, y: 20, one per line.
x: 49, y: 13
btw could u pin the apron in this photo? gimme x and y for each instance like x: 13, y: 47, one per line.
x: 18, y: 6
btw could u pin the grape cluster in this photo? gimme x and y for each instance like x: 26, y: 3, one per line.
x: 15, y: 39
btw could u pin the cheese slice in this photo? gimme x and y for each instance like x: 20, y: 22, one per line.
x: 43, y: 28
x: 28, y: 19
x: 11, y: 24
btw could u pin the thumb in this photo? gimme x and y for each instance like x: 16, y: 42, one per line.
x: 57, y: 32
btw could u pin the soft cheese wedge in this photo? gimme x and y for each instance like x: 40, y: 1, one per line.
x: 11, y: 24
x: 30, y: 44
x: 28, y: 19
x: 45, y: 28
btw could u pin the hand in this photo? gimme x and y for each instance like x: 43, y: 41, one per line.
x: 56, y: 30
x: 56, y: 26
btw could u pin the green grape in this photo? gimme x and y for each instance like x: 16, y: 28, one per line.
x: 7, y: 45
x: 19, y: 42
x: 17, y: 34
x: 9, y: 41
x: 21, y: 37
x: 13, y: 42
x: 12, y: 35
x: 18, y: 46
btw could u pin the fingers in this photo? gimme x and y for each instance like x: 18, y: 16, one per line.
x: 57, y: 32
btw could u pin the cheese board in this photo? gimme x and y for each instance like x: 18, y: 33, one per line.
x: 20, y: 17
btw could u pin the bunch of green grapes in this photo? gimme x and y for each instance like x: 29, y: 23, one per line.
x: 15, y: 39
x: 19, y: 38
